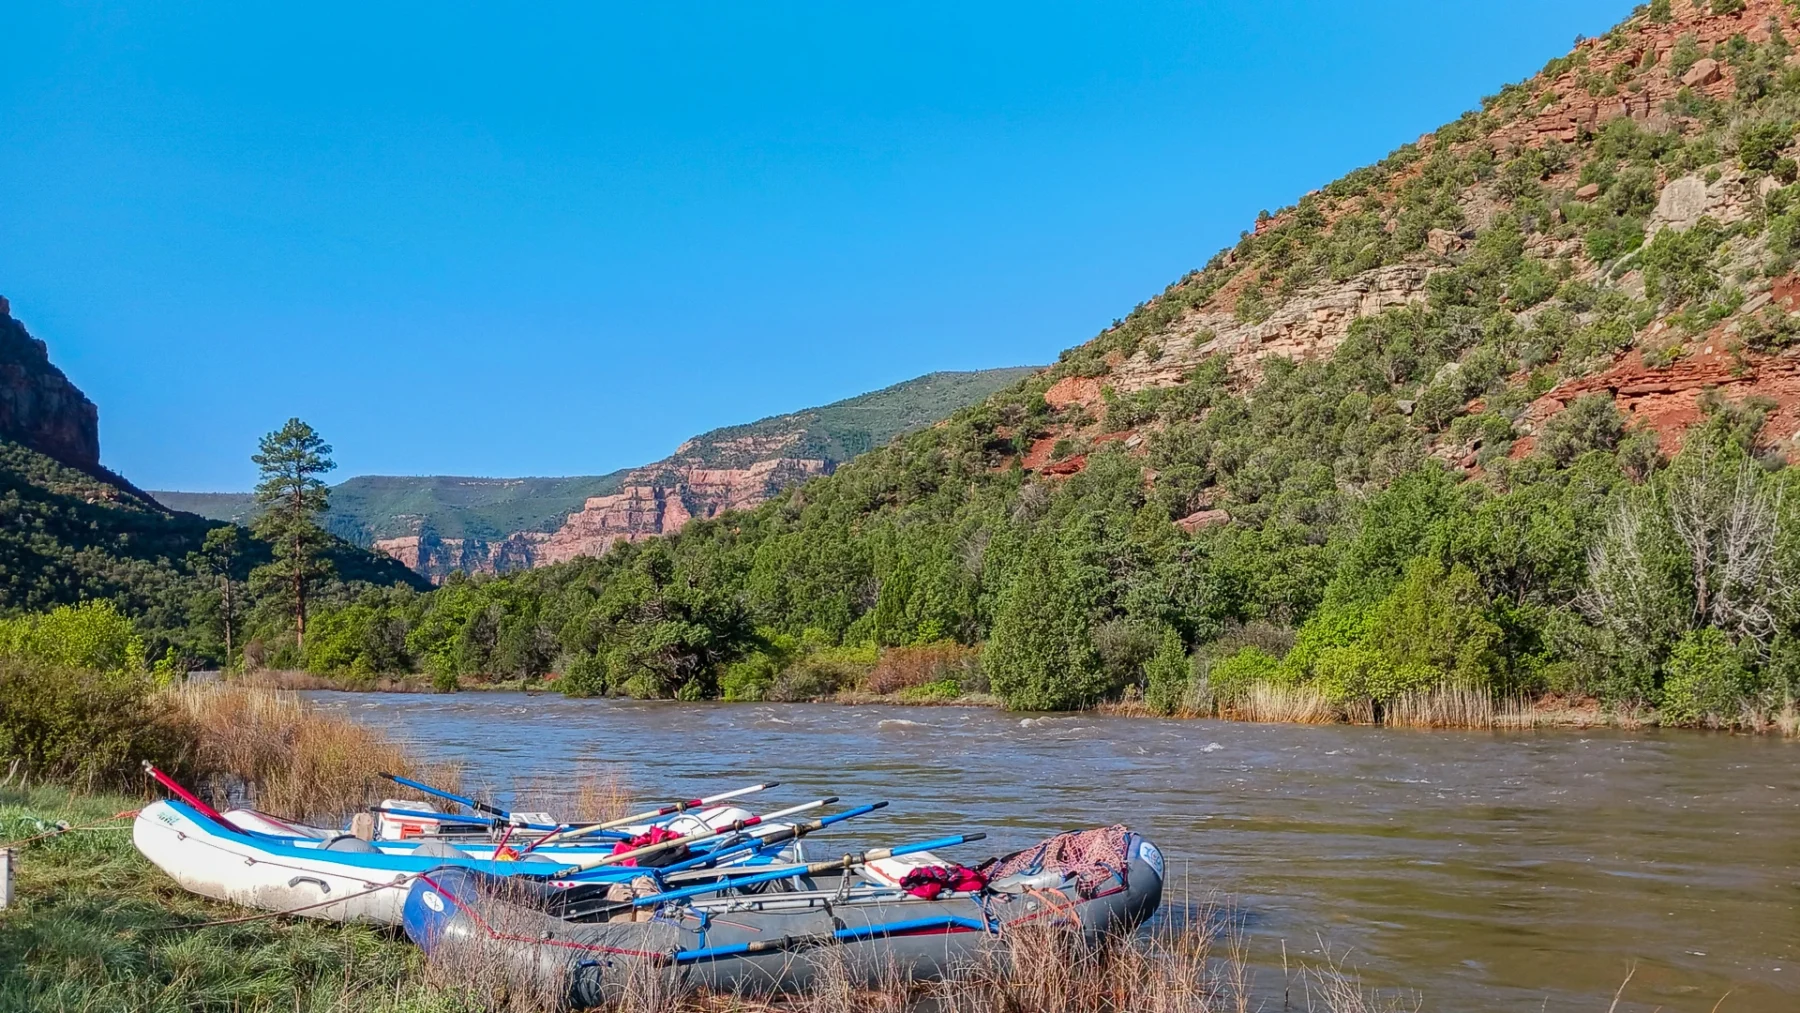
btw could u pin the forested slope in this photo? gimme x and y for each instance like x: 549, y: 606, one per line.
x: 1511, y: 410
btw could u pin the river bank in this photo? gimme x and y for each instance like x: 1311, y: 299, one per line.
x: 1443, y: 708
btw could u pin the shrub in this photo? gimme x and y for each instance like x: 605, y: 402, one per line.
x: 85, y: 727
x: 1231, y: 676
x: 810, y: 679
x: 1591, y: 422
x: 583, y: 675
x: 1166, y: 674
x: 902, y: 668
x: 92, y: 635
x: 1706, y: 680
x: 1760, y: 146
x: 748, y: 681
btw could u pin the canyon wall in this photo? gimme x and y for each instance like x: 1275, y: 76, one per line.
x: 39, y: 407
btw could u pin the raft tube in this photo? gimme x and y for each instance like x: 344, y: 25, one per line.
x: 760, y: 943
x: 335, y: 877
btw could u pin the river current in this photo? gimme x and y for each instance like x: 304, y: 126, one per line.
x: 1470, y: 871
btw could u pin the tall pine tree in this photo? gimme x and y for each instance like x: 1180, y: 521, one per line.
x: 292, y: 497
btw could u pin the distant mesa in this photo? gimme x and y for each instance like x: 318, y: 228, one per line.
x: 439, y: 525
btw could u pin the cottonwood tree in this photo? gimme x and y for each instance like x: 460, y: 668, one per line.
x: 292, y: 498
x: 1697, y: 549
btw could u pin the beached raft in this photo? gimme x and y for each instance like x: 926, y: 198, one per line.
x: 260, y: 862
x: 589, y: 942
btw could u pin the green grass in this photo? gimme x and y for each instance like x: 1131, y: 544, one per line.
x: 95, y: 927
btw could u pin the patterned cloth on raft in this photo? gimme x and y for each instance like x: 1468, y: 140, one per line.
x: 1091, y: 856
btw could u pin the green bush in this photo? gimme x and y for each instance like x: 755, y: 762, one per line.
x: 85, y: 727
x: 584, y: 675
x: 1232, y: 675
x: 1760, y: 146
x: 92, y: 635
x: 1166, y: 674
x: 748, y: 681
x: 1706, y: 682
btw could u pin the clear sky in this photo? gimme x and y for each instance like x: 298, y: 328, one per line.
x: 542, y: 239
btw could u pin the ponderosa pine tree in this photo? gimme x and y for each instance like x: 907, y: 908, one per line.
x: 292, y: 497
x: 218, y: 560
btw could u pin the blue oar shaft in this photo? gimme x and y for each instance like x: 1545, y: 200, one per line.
x: 781, y: 836
x: 845, y: 935
x: 486, y: 821
x: 449, y: 796
x: 846, y: 862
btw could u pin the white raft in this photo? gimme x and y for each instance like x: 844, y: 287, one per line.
x: 273, y: 865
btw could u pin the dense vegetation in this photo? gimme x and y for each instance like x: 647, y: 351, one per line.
x: 70, y: 536
x: 1388, y: 531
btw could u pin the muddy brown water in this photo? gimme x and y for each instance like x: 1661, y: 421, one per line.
x: 1470, y: 871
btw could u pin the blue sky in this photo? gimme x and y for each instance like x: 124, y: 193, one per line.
x: 557, y: 240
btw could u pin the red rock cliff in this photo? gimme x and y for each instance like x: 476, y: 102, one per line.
x: 39, y: 407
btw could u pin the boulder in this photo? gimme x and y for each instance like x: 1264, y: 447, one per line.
x: 1588, y: 192
x: 1701, y: 74
x: 1682, y: 204
x: 1203, y: 519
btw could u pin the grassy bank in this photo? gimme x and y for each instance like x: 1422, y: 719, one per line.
x: 97, y: 929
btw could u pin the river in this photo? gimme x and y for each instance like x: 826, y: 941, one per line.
x: 1479, y: 871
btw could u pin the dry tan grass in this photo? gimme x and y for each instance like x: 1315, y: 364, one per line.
x: 907, y: 667
x: 273, y: 750
x: 1448, y: 706
x: 588, y: 796
x: 1274, y: 703
x: 1788, y: 719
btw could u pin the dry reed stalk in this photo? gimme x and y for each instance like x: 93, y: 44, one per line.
x: 591, y: 796
x: 1788, y: 719
x: 276, y: 751
x: 1445, y: 706
x: 1274, y: 703
x: 482, y: 971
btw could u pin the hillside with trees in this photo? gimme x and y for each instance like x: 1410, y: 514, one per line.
x: 71, y: 531
x: 1511, y: 411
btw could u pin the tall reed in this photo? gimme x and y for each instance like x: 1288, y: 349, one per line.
x: 1271, y: 702
x: 277, y: 752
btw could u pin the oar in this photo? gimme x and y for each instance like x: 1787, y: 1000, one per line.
x: 191, y: 799
x: 671, y: 809
x: 843, y: 935
x: 810, y: 869
x: 485, y: 821
x: 701, y: 835
x: 781, y: 836
x: 481, y: 807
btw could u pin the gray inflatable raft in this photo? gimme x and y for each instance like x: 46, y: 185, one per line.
x: 579, y: 943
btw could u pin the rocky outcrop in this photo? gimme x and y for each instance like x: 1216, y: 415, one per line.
x: 1667, y: 401
x: 1571, y: 109
x: 1310, y: 324
x: 664, y: 497
x: 39, y: 407
x: 436, y: 558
